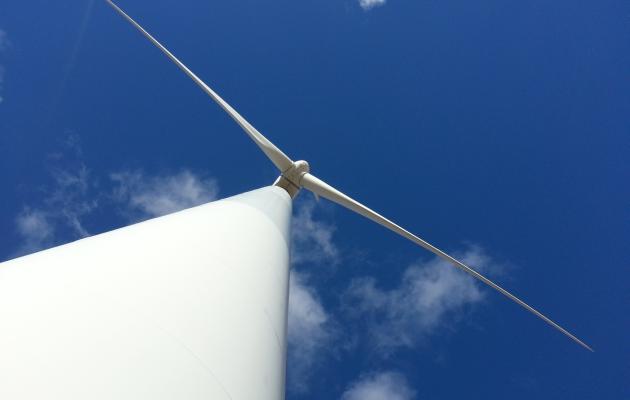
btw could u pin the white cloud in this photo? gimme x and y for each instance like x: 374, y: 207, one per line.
x: 311, y: 239
x: 152, y: 196
x: 74, y: 195
x: 369, y: 4
x: 380, y: 386
x: 309, y: 332
x: 62, y: 207
x: 306, y: 313
x: 310, y: 326
x: 70, y: 199
x: 36, y: 230
x: 431, y: 295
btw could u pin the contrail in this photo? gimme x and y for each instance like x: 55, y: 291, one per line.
x: 76, y: 48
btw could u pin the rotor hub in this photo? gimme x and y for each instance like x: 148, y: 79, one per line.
x: 290, y: 180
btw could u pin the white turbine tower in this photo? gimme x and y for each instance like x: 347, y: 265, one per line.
x: 192, y: 305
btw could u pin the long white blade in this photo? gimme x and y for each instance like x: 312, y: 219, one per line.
x: 321, y: 188
x: 281, y: 161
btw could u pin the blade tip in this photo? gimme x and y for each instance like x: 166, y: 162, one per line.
x: 586, y: 346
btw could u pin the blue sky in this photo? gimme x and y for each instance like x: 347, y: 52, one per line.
x: 499, y: 131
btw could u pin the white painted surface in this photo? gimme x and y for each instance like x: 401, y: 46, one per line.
x: 187, y: 306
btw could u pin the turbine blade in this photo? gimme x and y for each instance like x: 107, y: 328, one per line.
x: 280, y: 160
x: 321, y: 188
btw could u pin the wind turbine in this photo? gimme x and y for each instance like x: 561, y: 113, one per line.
x: 191, y: 305
x: 295, y: 175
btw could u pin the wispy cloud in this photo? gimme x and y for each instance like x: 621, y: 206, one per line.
x: 72, y: 199
x: 310, y: 325
x: 309, y: 332
x: 61, y: 209
x: 369, y: 4
x: 312, y: 239
x: 143, y: 196
x: 431, y: 295
x: 380, y: 386
x: 36, y: 230
x: 74, y: 194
